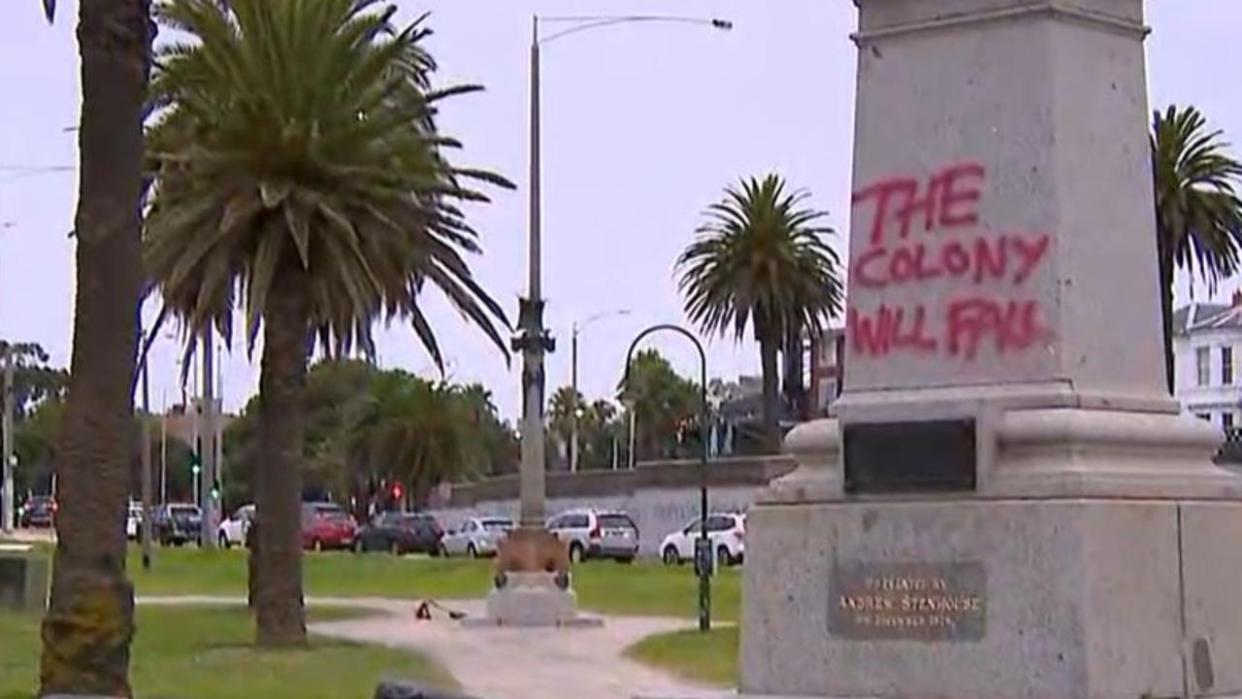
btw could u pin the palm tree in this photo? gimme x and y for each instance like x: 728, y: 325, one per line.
x: 1198, y: 212
x: 89, y: 624
x: 299, y: 171
x: 760, y: 261
x: 412, y: 431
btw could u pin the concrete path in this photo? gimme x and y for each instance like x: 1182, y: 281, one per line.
x: 505, y: 663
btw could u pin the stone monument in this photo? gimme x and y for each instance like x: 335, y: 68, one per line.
x: 1007, y: 501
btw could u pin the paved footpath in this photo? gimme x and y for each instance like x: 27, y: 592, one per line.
x: 506, y: 663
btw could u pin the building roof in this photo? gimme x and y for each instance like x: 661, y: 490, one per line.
x: 1207, y: 316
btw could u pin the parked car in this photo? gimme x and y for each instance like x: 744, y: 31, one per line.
x: 133, y: 520
x: 39, y: 511
x: 725, y: 530
x: 476, y: 537
x: 232, y: 531
x: 596, y: 534
x: 176, y: 524
x: 327, y: 526
x: 401, y: 533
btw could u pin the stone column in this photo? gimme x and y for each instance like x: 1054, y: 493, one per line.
x: 1007, y: 501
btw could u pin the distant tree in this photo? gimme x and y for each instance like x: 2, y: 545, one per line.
x: 662, y: 403
x: 412, y: 431
x: 760, y: 262
x: 497, y: 450
x: 1198, y: 210
x: 34, y: 380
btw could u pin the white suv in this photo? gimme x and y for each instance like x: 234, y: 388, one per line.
x: 726, y: 531
x: 232, y: 531
x: 596, y: 534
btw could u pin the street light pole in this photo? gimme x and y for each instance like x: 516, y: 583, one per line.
x: 7, y: 498
x: 145, y: 524
x: 702, y: 549
x: 573, y: 374
x: 533, y: 340
x: 573, y: 413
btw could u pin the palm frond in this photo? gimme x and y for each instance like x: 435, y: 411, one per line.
x: 311, y: 123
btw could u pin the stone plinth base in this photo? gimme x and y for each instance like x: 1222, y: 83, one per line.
x: 532, y: 599
x: 978, y: 599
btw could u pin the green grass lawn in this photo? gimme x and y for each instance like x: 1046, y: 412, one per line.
x: 602, y: 586
x: 709, y: 658
x: 205, y: 653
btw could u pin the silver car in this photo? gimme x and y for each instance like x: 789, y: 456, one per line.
x: 596, y: 534
x: 475, y: 537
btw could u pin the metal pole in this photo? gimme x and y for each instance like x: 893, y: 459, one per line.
x: 705, y: 589
x: 219, y: 438
x: 573, y: 382
x: 145, y: 524
x: 703, y: 552
x: 533, y: 340
x: 195, y: 441
x: 164, y: 453
x: 207, y: 533
x: 633, y: 436
x: 6, y: 499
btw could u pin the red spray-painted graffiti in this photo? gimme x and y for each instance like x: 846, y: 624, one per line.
x: 950, y: 245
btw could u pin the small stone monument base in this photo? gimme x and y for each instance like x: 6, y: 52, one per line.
x: 531, y: 585
x: 532, y: 599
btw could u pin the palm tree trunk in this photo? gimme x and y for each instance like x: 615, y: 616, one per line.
x: 771, y: 395
x: 89, y: 625
x: 1164, y: 258
x: 281, y: 618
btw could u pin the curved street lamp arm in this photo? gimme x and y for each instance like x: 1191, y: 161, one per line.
x: 585, y: 22
x: 629, y: 355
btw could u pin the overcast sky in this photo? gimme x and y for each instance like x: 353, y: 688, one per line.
x: 643, y: 126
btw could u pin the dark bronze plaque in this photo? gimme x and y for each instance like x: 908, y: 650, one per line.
x: 905, y: 457
x: 873, y: 601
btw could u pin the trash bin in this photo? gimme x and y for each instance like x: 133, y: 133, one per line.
x: 24, y: 576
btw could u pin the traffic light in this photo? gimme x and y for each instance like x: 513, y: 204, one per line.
x: 397, y: 491
x: 215, y: 492
x: 196, y: 463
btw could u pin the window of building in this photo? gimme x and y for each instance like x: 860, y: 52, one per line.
x: 1226, y: 420
x: 1206, y: 417
x: 1203, y: 365
x: 1226, y: 365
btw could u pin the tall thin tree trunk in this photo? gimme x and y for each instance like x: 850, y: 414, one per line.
x: 1164, y: 260
x: 281, y: 617
x: 771, y: 394
x: 88, y: 628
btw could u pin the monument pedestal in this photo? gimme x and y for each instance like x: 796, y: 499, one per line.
x: 979, y: 599
x: 531, y: 585
x: 1067, y: 574
x: 533, y: 599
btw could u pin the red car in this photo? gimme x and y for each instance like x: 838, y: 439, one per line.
x: 327, y: 526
